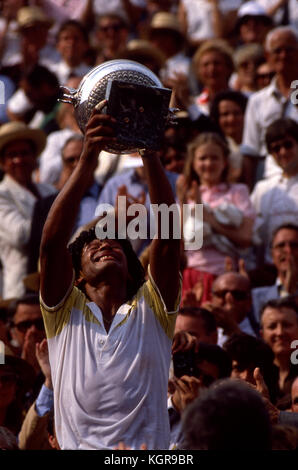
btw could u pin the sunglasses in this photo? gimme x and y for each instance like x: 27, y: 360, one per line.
x: 111, y: 27
x: 237, y: 294
x: 23, y: 326
x: 287, y: 145
x: 265, y: 76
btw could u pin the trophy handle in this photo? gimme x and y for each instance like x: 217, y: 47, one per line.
x: 68, y: 95
x: 172, y: 117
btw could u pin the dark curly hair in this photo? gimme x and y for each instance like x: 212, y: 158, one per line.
x: 134, y: 265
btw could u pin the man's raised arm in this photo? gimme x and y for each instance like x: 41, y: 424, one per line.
x: 164, y: 250
x: 55, y: 261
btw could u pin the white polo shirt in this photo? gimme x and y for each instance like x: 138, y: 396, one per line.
x: 111, y: 387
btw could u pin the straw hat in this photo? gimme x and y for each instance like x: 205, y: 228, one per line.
x: 16, y: 130
x: 166, y: 20
x: 29, y: 16
x: 136, y: 49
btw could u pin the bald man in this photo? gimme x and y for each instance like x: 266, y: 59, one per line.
x: 231, y: 305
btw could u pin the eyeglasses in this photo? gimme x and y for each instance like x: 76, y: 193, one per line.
x: 282, y: 245
x: 287, y: 145
x: 8, y: 379
x: 265, y: 76
x: 23, y: 326
x: 111, y: 27
x: 237, y: 294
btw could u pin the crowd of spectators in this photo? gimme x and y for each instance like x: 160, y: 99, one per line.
x: 232, y: 374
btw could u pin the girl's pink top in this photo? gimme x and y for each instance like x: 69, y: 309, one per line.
x: 209, y: 259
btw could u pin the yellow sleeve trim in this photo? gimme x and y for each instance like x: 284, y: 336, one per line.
x: 155, y: 301
x: 56, y: 318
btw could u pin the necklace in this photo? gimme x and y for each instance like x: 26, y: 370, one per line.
x: 108, y: 321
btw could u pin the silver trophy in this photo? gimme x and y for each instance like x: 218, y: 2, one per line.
x: 136, y: 98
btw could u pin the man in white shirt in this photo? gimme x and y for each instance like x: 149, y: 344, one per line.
x: 276, y: 199
x: 270, y: 103
x: 109, y: 333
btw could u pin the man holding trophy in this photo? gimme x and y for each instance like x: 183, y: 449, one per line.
x: 109, y: 331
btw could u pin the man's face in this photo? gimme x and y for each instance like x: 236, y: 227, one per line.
x: 19, y: 161
x: 111, y: 33
x: 231, y: 293
x: 279, y: 329
x: 285, y: 153
x: 102, y: 257
x: 213, y: 70
x: 244, y: 373
x: 283, y: 53
x: 196, y: 327
x: 72, y: 45
x: 253, y: 30
x: 26, y: 319
x: 71, y: 153
x: 285, y: 250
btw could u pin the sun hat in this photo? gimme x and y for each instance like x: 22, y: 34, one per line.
x: 29, y: 16
x: 137, y: 49
x: 166, y: 21
x: 252, y: 9
x: 16, y: 130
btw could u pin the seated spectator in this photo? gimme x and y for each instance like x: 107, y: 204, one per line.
x: 212, y: 66
x: 284, y: 251
x: 72, y: 44
x: 19, y: 149
x: 26, y: 327
x: 111, y: 36
x: 227, y: 111
x: 209, y: 364
x: 35, y: 102
x: 198, y: 322
x: 16, y: 379
x: 275, y: 199
x: 230, y: 415
x: 166, y: 35
x: 144, y: 52
x: 231, y: 305
x: 204, y: 180
x: 247, y: 59
x: 9, y: 37
x: 246, y: 353
x: 269, y: 104
x: 253, y: 23
x: 279, y: 328
x: 264, y: 75
x: 34, y: 434
x: 50, y: 163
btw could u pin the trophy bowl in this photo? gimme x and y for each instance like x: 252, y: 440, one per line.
x: 146, y: 102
